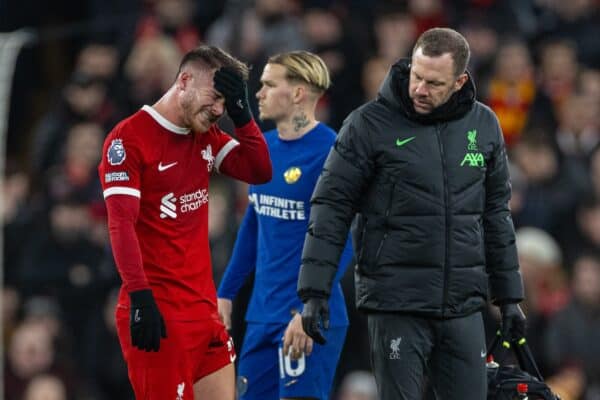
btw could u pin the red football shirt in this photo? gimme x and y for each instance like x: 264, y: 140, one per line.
x: 166, y: 168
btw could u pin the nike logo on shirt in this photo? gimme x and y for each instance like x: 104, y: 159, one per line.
x: 162, y: 168
x: 404, y: 141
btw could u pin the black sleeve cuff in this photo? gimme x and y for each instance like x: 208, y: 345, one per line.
x: 141, y: 298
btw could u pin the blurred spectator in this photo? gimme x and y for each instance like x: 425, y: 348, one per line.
x: 327, y: 37
x: 15, y: 188
x: 98, y: 61
x: 579, y: 129
x: 546, y: 290
x: 174, y: 18
x: 10, y: 308
x: 588, y: 226
x: 544, y: 202
x: 84, y: 99
x: 541, y: 261
x: 568, y: 384
x: 44, y: 311
x: 46, y: 387
x: 395, y: 34
x: 576, y: 21
x: 17, y: 217
x: 511, y: 90
x: 483, y: 42
x: 62, y: 261
x: 373, y: 73
x: 594, y: 169
x: 589, y: 84
x: 325, y: 33
x: 222, y: 225
x: 101, y: 61
x: 572, y: 336
x: 427, y: 14
x: 558, y: 70
x: 358, y: 385
x: 74, y: 174
x: 151, y: 68
x: 30, y: 353
x: 254, y: 33
x: 101, y: 357
x: 503, y: 17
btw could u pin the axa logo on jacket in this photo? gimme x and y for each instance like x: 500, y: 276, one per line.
x: 473, y: 158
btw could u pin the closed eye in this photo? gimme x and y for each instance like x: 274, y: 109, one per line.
x: 217, y: 96
x: 430, y: 83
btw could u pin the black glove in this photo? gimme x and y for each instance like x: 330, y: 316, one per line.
x: 315, y: 310
x: 513, y: 322
x: 146, y: 324
x: 233, y: 87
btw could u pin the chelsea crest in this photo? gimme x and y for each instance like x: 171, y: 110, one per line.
x: 292, y: 174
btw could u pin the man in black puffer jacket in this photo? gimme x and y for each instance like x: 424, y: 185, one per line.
x: 424, y: 170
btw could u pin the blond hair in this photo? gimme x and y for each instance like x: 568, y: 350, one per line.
x: 304, y: 66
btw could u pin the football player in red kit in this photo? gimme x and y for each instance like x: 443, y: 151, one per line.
x: 155, y: 172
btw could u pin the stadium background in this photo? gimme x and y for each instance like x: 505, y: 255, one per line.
x: 86, y: 64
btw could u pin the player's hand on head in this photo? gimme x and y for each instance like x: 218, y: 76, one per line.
x: 146, y: 324
x: 315, y: 313
x: 295, y: 341
x: 233, y: 87
x: 225, y: 306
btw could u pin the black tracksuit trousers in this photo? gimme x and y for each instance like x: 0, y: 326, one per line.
x: 408, y: 350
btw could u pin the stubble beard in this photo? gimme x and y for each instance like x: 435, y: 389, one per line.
x: 201, y: 120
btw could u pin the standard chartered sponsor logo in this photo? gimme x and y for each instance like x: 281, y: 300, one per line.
x: 187, y: 202
x: 193, y: 201
x: 278, y: 207
x: 168, y: 207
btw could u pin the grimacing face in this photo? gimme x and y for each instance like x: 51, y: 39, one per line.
x: 432, y: 81
x: 275, y: 95
x: 201, y: 104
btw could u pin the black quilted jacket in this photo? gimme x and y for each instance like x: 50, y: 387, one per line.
x: 433, y: 233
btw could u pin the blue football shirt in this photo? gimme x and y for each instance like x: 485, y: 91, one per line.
x: 271, y: 235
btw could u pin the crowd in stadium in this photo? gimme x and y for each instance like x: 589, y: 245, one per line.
x: 536, y: 63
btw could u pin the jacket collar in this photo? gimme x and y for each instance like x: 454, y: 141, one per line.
x: 394, y: 92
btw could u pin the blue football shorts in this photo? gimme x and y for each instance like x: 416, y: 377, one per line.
x: 265, y: 373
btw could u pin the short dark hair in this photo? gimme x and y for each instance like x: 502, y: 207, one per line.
x: 213, y: 57
x: 438, y: 41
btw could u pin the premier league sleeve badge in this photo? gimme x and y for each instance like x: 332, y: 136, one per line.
x: 116, y: 152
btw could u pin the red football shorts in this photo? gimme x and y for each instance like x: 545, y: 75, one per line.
x: 191, y: 351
